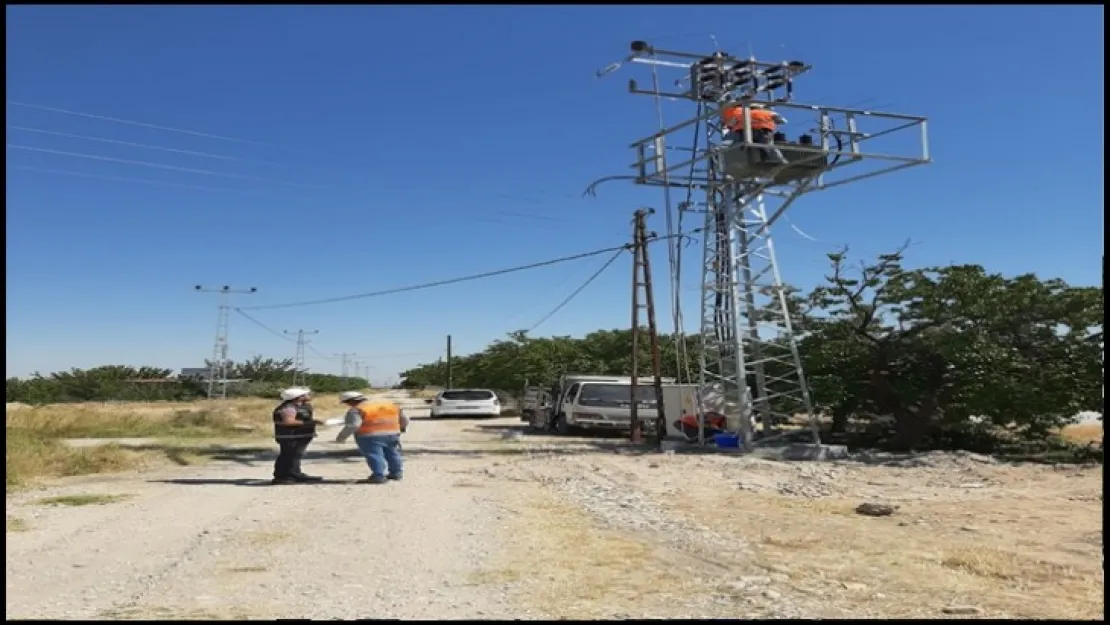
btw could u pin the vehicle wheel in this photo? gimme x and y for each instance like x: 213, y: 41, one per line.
x: 561, y: 425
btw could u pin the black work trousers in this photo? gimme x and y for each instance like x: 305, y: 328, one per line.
x: 290, y: 452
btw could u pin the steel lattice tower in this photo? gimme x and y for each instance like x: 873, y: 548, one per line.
x: 217, y: 368
x: 749, y: 367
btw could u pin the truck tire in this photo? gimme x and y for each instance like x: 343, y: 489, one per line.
x: 561, y: 425
x: 534, y: 424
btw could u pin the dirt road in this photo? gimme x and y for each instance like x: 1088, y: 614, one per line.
x: 489, y: 523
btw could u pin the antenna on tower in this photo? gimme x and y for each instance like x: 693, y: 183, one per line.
x: 299, y: 369
x: 217, y: 367
x: 743, y: 179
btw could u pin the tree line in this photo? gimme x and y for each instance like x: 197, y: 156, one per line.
x: 936, y: 351
x: 257, y: 377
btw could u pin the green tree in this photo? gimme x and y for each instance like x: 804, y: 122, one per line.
x: 937, y: 346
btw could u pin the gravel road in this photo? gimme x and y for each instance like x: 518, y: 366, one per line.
x: 492, y: 523
x: 219, y: 542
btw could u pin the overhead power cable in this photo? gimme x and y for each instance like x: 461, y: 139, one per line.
x: 132, y: 122
x: 429, y: 285
x: 265, y: 327
x: 145, y: 146
x: 580, y: 288
x: 189, y: 170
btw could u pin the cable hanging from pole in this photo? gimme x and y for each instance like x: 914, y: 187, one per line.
x: 578, y: 290
x: 437, y: 283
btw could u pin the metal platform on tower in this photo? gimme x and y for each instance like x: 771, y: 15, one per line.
x: 732, y: 160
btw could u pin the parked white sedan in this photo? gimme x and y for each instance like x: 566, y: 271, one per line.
x: 466, y: 403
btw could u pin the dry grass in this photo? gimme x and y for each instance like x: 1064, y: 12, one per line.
x: 34, y: 449
x: 13, y: 524
x: 1028, y: 546
x: 1083, y: 433
x: 82, y: 500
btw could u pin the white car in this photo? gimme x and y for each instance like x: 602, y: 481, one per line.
x: 467, y: 402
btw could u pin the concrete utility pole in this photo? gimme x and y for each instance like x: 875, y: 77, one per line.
x: 641, y: 279
x: 299, y: 369
x: 217, y: 368
x: 450, y: 365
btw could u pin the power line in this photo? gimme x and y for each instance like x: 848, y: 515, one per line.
x: 580, y: 288
x: 145, y: 146
x: 190, y: 170
x: 265, y: 327
x: 428, y: 285
x: 132, y: 122
x: 158, y: 183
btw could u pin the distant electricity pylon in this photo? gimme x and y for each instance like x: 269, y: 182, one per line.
x: 742, y: 179
x: 217, y: 367
x: 298, y: 360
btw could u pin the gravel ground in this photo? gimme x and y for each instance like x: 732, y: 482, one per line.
x: 492, y: 524
x: 218, y: 543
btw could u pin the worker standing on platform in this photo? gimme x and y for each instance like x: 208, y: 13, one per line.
x: 377, y: 426
x: 764, y: 124
x: 294, y: 429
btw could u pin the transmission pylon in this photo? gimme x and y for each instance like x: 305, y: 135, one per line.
x: 218, y: 366
x: 299, y: 369
x: 749, y: 368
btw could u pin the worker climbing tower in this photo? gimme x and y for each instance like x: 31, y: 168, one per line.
x: 741, y: 180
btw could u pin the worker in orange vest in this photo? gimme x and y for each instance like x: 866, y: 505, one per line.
x: 377, y: 428
x: 764, y: 124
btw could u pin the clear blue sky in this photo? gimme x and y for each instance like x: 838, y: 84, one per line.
x: 383, y: 146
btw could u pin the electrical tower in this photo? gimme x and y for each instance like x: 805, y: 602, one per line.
x: 217, y: 367
x: 299, y: 368
x: 345, y: 359
x: 749, y: 367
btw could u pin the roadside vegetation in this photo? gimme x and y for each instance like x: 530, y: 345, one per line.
x: 36, y: 436
x: 899, y: 359
x: 896, y: 358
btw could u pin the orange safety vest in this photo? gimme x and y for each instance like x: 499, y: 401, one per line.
x: 379, y: 417
x: 762, y: 119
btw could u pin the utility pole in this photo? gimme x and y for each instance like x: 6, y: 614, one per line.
x: 217, y: 368
x: 450, y: 363
x: 298, y: 360
x: 641, y: 279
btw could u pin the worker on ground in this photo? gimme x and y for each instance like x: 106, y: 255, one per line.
x: 377, y: 426
x: 294, y: 429
x: 764, y: 124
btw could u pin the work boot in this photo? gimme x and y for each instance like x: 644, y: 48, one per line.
x: 395, y: 477
x: 307, y: 478
x: 376, y: 479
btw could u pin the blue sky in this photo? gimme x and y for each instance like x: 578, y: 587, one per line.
x: 351, y: 149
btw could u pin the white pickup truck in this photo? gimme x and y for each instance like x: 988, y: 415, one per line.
x: 597, y: 402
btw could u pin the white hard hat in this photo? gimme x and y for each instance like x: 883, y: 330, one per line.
x: 295, y: 392
x: 757, y: 105
x: 347, y: 396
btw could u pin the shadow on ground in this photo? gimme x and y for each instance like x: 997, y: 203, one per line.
x: 186, y: 481
x: 254, y: 456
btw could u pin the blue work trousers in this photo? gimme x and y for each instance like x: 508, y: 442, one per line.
x: 383, y: 453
